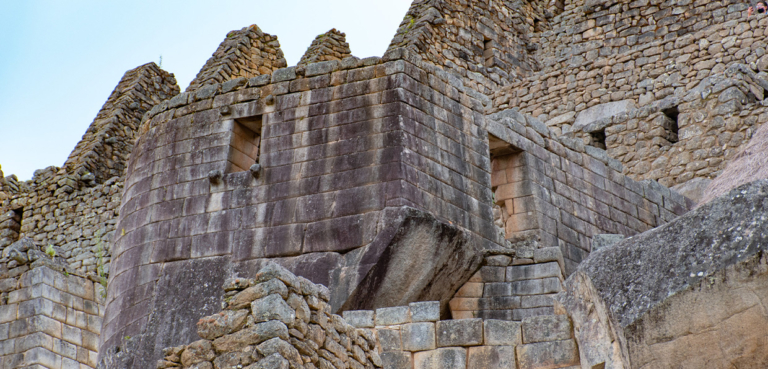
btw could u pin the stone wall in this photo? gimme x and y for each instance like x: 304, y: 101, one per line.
x: 512, y: 287
x: 578, y: 191
x: 485, y: 42
x: 709, y: 125
x: 51, y: 320
x: 74, y: 209
x: 331, y: 45
x: 332, y: 147
x: 413, y: 336
x: 108, y: 142
x: 643, y: 52
x: 276, y: 320
x: 246, y: 53
x: 359, y: 160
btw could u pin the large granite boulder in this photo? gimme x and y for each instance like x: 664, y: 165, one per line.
x: 688, y: 294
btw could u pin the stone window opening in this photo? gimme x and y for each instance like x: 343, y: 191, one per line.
x: 513, y: 205
x: 244, y: 144
x: 670, y: 124
x: 10, y: 225
x: 598, y: 139
x: 488, y: 52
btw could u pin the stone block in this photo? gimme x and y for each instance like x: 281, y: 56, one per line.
x: 491, y: 357
x: 359, y: 318
x: 520, y: 314
x: 8, y: 312
x: 533, y: 271
x: 389, y: 339
x: 535, y: 301
x: 64, y: 348
x: 536, y: 286
x: 42, y: 356
x: 497, y: 289
x: 284, y: 74
x: 546, y: 328
x: 427, y: 311
x: 492, y: 274
x: 498, y: 260
x: 502, y: 333
x: 470, y: 289
x: 495, y: 314
x: 460, y: 314
x: 461, y: 332
x: 33, y: 340
x: 272, y: 307
x: 554, y: 354
x: 464, y: 304
x: 71, y: 334
x: 397, y: 360
x: 38, y: 306
x: 393, y: 315
x: 90, y: 341
x: 418, y: 336
x: 454, y: 358
x: 549, y: 254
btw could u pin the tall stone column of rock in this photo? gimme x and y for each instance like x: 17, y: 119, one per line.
x: 246, y: 53
x: 331, y: 45
x: 106, y: 145
x: 275, y: 320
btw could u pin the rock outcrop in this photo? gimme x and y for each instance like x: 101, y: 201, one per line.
x: 687, y: 294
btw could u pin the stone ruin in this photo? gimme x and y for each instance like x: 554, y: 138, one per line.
x: 512, y: 184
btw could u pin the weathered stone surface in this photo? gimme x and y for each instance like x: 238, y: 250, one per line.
x: 602, y: 111
x: 418, y: 336
x: 441, y: 358
x: 217, y: 325
x: 272, y: 307
x: 553, y: 354
x: 397, y: 360
x: 749, y: 164
x: 669, y: 268
x: 251, y: 336
x: 416, y: 265
x: 247, y: 296
x: 695, y: 189
x: 393, y: 315
x: 491, y: 357
x: 459, y: 332
x: 604, y: 240
x: 274, y: 361
x: 359, y: 318
x: 425, y: 311
x: 389, y: 339
x: 196, y: 352
x: 546, y: 328
x: 502, y: 333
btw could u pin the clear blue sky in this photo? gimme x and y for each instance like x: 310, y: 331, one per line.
x: 60, y: 60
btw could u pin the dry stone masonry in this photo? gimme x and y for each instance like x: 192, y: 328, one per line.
x: 246, y: 53
x: 276, y: 320
x: 492, y: 192
x: 50, y: 320
x: 331, y: 45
